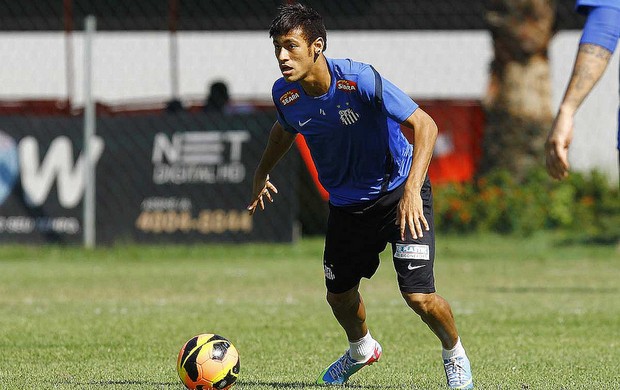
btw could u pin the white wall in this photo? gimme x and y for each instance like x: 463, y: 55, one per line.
x: 131, y: 66
x: 425, y: 64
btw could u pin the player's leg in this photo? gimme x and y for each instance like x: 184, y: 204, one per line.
x: 414, y: 263
x: 437, y: 314
x: 349, y: 257
x: 435, y: 311
x: 351, y: 253
x: 348, y: 308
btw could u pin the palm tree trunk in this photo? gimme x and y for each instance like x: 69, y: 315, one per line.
x: 518, y: 99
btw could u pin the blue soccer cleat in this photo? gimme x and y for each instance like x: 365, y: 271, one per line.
x: 339, y: 371
x: 458, y: 372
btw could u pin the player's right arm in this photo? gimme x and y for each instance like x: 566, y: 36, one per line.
x: 279, y: 143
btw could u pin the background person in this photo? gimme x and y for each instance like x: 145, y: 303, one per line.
x: 597, y: 44
x: 218, y: 99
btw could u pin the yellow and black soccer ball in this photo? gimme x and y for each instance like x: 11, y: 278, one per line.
x: 208, y: 362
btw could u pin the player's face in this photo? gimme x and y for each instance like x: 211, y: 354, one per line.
x: 295, y: 56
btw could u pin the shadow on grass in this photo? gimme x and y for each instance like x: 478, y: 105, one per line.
x: 239, y: 385
x: 554, y: 290
x: 606, y: 239
x: 149, y: 384
x: 273, y: 385
x: 305, y: 385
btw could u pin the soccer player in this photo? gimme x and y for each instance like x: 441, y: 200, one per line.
x: 597, y: 44
x: 378, y: 189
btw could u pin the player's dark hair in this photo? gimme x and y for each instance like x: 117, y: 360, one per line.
x: 293, y: 16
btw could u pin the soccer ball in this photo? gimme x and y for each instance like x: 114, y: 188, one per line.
x: 208, y: 362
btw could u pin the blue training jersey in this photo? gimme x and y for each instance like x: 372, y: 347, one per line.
x: 583, y: 5
x: 602, y: 27
x: 352, y: 131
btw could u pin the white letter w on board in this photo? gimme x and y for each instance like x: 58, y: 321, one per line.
x: 37, y: 178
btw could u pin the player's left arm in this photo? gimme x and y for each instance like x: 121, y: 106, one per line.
x: 410, y: 209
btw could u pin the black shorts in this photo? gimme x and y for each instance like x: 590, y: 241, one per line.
x: 356, y: 235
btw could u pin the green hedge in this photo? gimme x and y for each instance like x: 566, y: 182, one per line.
x: 587, y: 204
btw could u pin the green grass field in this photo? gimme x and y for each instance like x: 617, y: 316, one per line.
x: 534, y: 313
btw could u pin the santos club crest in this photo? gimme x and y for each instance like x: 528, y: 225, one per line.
x: 348, y: 116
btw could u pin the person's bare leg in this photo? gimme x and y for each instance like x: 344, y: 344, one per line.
x: 437, y: 314
x: 348, y: 308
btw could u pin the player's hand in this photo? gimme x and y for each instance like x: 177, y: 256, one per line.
x: 410, y: 214
x: 556, y: 147
x: 262, y: 188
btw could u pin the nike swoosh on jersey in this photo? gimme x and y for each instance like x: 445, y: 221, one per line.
x: 302, y: 124
x: 411, y: 267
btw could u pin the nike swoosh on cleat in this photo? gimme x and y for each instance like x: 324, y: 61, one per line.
x: 302, y: 124
x: 411, y: 267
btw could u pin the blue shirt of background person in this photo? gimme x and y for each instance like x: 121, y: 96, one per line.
x: 351, y: 133
x: 598, y: 42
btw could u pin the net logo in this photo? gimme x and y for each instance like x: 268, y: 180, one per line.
x: 199, y: 157
x: 38, y: 177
